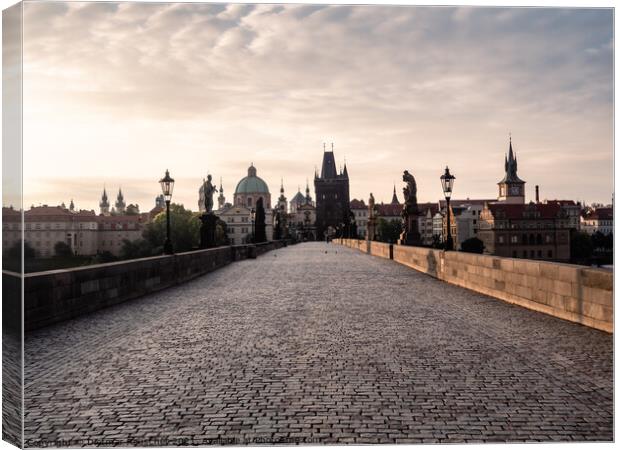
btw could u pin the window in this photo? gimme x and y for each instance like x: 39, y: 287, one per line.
x: 249, y: 201
x: 550, y: 254
x: 525, y: 253
x: 500, y: 239
x: 540, y: 253
x: 531, y: 253
x: 514, y: 254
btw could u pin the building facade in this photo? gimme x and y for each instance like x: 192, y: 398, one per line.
x: 332, y: 197
x: 83, y: 231
x: 360, y: 211
x: 598, y: 220
x: 534, y: 231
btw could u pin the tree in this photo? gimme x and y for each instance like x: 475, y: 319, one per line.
x: 138, y: 248
x: 221, y: 233
x: 62, y: 249
x: 132, y: 210
x: 581, y: 246
x: 389, y: 231
x: 472, y: 245
x: 184, y: 230
x: 15, y: 252
x: 104, y: 257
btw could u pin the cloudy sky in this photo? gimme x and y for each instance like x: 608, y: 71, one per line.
x: 116, y: 93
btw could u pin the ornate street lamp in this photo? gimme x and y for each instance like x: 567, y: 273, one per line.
x: 447, y: 183
x: 253, y: 217
x: 167, y: 185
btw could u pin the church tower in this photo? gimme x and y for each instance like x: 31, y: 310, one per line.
x: 120, y: 203
x: 221, y: 200
x: 511, y: 187
x: 394, y: 198
x: 104, y: 204
x: 282, y: 198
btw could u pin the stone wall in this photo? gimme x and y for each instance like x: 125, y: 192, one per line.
x: 58, y: 295
x: 579, y: 294
x: 380, y: 249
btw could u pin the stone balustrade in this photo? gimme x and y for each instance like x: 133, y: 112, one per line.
x: 58, y: 295
x: 580, y: 294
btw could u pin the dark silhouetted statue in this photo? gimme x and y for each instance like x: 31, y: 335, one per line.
x: 410, y: 234
x: 260, y: 234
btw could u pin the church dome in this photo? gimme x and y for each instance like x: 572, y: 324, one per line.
x: 251, y: 184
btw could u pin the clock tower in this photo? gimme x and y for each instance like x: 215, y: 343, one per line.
x: 511, y: 187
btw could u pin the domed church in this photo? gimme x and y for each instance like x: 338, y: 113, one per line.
x: 250, y: 189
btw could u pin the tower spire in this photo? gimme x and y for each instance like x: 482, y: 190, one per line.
x: 394, y: 198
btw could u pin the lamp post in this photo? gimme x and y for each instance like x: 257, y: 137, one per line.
x: 447, y: 182
x: 253, y: 217
x: 167, y: 185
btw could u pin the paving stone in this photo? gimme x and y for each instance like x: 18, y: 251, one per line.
x: 316, y: 343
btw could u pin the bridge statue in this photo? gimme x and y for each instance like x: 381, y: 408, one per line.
x: 410, y: 234
x: 208, y: 190
x: 208, y: 219
x: 372, y: 219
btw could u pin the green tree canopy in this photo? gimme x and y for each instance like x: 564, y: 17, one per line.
x: 389, y: 231
x: 62, y: 249
x: 184, y: 230
x: 581, y: 246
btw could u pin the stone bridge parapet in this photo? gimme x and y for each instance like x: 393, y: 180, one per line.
x: 58, y: 295
x: 575, y: 293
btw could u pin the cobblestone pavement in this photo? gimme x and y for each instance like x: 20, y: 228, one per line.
x: 316, y: 343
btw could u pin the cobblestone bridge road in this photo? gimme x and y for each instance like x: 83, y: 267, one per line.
x: 319, y: 343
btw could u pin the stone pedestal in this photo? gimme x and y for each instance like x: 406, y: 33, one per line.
x: 371, y: 229
x: 410, y: 234
x: 207, y: 230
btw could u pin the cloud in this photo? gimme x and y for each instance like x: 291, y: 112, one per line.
x: 392, y: 86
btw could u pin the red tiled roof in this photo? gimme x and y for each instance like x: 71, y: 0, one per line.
x: 467, y: 201
x: 357, y: 204
x: 562, y: 202
x: 520, y: 211
x: 601, y: 214
x: 389, y: 209
x: 424, y: 207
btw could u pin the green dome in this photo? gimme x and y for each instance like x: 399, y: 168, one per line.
x: 251, y: 183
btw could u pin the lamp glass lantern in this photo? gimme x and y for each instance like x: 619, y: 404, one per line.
x: 167, y: 185
x: 447, y: 183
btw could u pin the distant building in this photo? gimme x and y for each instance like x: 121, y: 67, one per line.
x: 464, y: 219
x: 598, y: 220
x: 572, y: 211
x: 302, y: 217
x: 426, y: 213
x: 511, y: 187
x: 238, y: 223
x: 534, y: 231
x: 360, y: 211
x: 238, y: 217
x: 250, y: 189
x: 85, y: 232
x: 332, y: 197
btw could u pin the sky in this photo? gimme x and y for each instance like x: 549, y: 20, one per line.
x: 116, y: 93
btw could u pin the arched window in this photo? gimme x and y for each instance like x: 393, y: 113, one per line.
x: 539, y: 239
x: 532, y: 240
x: 249, y: 201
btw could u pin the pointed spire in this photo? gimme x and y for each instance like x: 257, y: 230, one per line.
x: 281, y: 185
x: 307, y: 187
x: 394, y: 198
x: 324, y: 147
x: 221, y: 188
x: 332, y: 146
